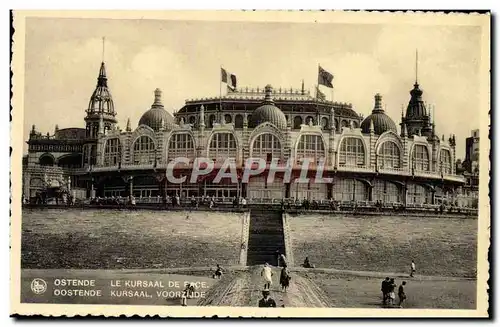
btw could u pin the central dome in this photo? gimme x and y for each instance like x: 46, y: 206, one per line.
x: 268, y: 112
x: 157, y: 117
x: 381, y: 122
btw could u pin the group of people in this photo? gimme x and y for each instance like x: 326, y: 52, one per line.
x: 267, y: 275
x: 388, y: 292
x: 389, y: 286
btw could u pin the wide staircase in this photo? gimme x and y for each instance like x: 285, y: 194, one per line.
x: 265, y: 237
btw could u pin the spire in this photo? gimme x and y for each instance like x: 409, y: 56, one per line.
x: 102, y: 79
x: 56, y: 129
x: 416, y: 66
x: 202, y: 116
x: 157, y: 103
x: 268, y: 99
x: 103, y: 47
x: 378, y: 104
x: 303, y: 91
x: 128, y: 128
x: 405, y: 130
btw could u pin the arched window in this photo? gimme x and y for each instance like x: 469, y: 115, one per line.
x: 297, y: 121
x: 266, y: 146
x: 324, y: 123
x: 222, y: 146
x: 46, y: 160
x: 310, y: 119
x: 386, y: 192
x: 420, y: 157
x: 445, y: 159
x: 344, y: 123
x: 144, y: 151
x: 192, y: 120
x: 228, y: 119
x: 238, y: 121
x: 112, y: 152
x: 310, y: 146
x: 352, y: 152
x: 336, y: 124
x: 211, y: 121
x: 349, y: 190
x: 181, y: 145
x: 355, y: 124
x: 418, y: 194
x: 389, y: 155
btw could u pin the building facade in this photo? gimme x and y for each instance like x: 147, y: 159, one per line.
x: 367, y: 159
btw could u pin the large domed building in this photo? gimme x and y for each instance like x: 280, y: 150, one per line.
x: 381, y: 122
x: 268, y: 112
x: 367, y: 160
x: 157, y: 117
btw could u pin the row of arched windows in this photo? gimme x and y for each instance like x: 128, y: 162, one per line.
x: 297, y: 121
x: 268, y: 146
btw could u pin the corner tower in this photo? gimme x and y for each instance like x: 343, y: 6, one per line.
x: 100, y: 116
x: 417, y: 119
x: 100, y: 104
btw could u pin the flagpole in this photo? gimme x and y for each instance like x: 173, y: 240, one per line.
x: 317, y: 93
x: 220, y: 96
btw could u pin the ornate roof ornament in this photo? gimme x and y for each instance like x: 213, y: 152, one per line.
x: 128, y: 128
x: 381, y: 122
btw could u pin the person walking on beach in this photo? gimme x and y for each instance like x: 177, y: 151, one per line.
x: 384, y: 288
x: 284, y: 279
x: 401, y: 294
x: 390, y: 290
x: 267, y: 273
x: 218, y: 272
x: 266, y: 301
x: 413, y: 268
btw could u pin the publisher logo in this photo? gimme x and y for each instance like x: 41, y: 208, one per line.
x: 38, y: 286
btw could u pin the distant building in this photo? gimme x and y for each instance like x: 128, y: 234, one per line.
x: 470, y: 191
x: 368, y: 159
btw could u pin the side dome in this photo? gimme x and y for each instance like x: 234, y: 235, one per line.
x: 268, y: 112
x: 381, y: 122
x: 157, y: 117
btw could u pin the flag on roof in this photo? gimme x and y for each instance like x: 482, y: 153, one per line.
x: 228, y: 78
x: 320, y: 95
x: 325, y: 78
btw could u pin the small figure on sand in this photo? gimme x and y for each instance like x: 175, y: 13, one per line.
x: 267, y: 273
x: 391, y: 286
x: 218, y: 272
x: 402, y: 294
x: 282, y: 261
x: 285, y: 279
x: 266, y: 301
x: 307, y: 264
x: 413, y: 268
x: 186, y: 294
x: 384, y: 289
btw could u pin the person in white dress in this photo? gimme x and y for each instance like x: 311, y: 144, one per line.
x: 267, y: 274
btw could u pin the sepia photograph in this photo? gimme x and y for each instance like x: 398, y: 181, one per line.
x: 225, y: 162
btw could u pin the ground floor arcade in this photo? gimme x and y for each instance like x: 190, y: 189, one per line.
x: 343, y: 187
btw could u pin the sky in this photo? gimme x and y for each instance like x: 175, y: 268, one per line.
x: 183, y: 58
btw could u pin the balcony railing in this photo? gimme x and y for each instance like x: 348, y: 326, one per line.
x: 353, y: 168
x: 54, y: 170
